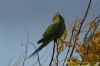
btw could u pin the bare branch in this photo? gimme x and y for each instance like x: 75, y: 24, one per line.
x: 57, y: 55
x: 70, y: 42
x: 52, y: 55
x: 26, y: 48
x: 37, y: 55
x: 80, y: 27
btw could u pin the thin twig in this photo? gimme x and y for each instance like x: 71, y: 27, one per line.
x: 26, y: 49
x: 91, y: 35
x: 19, y: 61
x: 37, y: 55
x: 42, y: 56
x: 52, y: 54
x: 85, y: 37
x: 57, y: 55
x: 70, y: 42
x: 10, y: 60
x: 80, y: 27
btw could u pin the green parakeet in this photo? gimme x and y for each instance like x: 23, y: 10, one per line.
x: 54, y: 31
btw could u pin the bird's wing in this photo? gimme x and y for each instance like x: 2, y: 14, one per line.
x: 52, y: 30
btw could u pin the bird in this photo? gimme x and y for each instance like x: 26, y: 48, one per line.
x: 52, y: 33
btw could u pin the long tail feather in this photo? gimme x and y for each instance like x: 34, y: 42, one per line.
x: 37, y: 50
x: 41, y: 40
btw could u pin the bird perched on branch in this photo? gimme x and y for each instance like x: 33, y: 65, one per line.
x: 52, y: 33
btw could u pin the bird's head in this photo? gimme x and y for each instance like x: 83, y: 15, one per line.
x: 57, y: 18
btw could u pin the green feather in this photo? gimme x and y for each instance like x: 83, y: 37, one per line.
x: 38, y: 49
x: 53, y: 32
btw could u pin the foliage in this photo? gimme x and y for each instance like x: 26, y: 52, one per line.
x: 89, y: 49
x: 86, y: 45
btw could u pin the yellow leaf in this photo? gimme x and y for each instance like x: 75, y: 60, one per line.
x: 76, y: 36
x: 64, y: 35
x: 93, y: 25
x: 68, y: 44
x: 72, y: 61
x: 97, y: 35
x: 92, y: 22
x: 97, y: 41
x: 81, y: 48
x: 60, y: 47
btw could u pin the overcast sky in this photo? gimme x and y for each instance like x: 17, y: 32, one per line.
x: 18, y: 16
